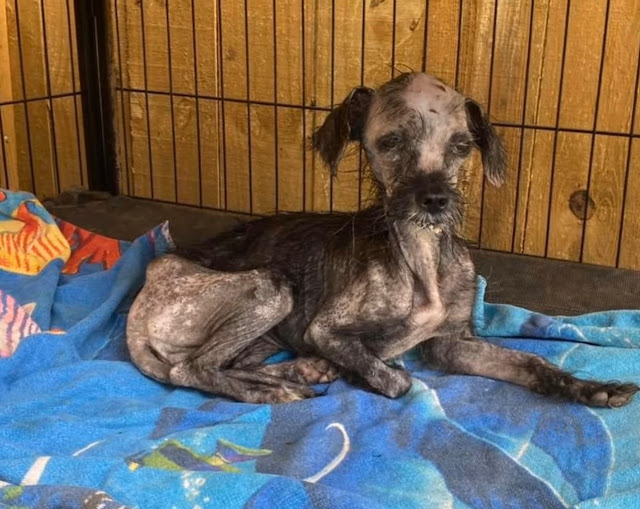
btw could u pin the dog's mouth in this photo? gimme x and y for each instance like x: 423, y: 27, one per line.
x: 427, y: 222
x: 434, y: 228
x: 427, y: 207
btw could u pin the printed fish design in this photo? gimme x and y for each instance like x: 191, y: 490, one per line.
x: 27, y: 242
x: 15, y: 323
x: 88, y: 247
x: 172, y: 455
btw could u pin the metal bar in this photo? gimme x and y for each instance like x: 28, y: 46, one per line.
x: 246, y: 56
x: 557, y: 125
x: 522, y: 128
x: 172, y: 106
x: 595, y: 124
x: 565, y: 129
x: 275, y: 100
x: 425, y: 36
x: 5, y: 165
x: 222, y: 109
x: 47, y: 73
x: 197, y: 99
x: 493, y: 53
x: 333, y: 60
x: 362, y: 58
x: 130, y: 189
x: 40, y: 98
x: 304, y: 112
x: 100, y: 147
x: 393, y: 37
x: 457, y: 76
x: 24, y: 97
x: 76, y: 115
x: 629, y: 151
x: 146, y: 96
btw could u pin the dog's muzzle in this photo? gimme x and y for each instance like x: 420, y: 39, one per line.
x: 426, y: 199
x: 434, y: 196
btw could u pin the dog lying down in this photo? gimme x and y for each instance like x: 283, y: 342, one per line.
x: 347, y: 292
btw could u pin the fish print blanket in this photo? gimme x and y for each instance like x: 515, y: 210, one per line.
x: 81, y: 427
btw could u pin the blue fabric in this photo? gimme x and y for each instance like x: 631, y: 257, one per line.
x: 81, y: 427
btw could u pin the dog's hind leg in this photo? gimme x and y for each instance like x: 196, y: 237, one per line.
x: 213, y: 368
x: 207, y: 370
x: 475, y: 357
x: 189, y: 325
x: 247, y: 386
x: 256, y: 353
x: 301, y: 370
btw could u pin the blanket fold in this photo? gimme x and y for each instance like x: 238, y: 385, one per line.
x: 81, y: 427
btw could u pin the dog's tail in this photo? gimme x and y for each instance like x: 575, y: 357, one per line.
x: 220, y: 252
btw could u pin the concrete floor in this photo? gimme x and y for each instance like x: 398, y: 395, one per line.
x: 547, y: 286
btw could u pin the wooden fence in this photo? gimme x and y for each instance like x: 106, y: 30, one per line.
x: 42, y: 147
x: 215, y: 101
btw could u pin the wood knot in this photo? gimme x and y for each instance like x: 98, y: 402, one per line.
x: 375, y: 3
x: 581, y: 204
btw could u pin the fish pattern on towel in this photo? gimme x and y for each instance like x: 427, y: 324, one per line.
x: 28, y: 242
x: 15, y: 323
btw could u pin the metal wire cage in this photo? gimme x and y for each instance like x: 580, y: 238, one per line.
x: 211, y: 103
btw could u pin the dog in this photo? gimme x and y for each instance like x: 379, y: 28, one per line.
x: 348, y: 293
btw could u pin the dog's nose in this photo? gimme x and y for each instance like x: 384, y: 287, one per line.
x: 434, y: 201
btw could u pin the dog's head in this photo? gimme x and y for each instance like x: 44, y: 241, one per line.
x: 416, y: 132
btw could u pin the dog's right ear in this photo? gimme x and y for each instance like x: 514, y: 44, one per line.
x: 344, y: 124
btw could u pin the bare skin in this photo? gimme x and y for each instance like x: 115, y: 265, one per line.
x: 346, y: 292
x: 221, y: 315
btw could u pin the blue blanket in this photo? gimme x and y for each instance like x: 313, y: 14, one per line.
x: 81, y: 427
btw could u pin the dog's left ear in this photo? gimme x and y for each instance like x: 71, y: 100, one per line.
x: 494, y: 159
x: 344, y: 124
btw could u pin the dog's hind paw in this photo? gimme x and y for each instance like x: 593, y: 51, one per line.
x: 608, y: 394
x: 550, y: 380
x: 318, y: 371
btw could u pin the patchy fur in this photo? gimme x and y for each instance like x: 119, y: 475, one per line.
x: 347, y: 292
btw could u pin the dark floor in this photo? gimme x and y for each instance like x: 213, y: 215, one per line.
x: 547, y: 286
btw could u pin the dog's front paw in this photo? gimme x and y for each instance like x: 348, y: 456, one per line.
x: 394, y: 383
x: 608, y: 394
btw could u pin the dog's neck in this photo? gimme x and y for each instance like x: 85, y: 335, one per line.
x: 421, y: 249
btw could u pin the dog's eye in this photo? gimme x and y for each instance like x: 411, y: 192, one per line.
x: 462, y: 148
x: 389, y: 142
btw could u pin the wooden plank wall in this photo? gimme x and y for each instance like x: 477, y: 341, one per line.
x: 42, y: 148
x: 217, y: 100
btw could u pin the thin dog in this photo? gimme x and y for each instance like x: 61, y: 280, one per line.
x: 347, y: 292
